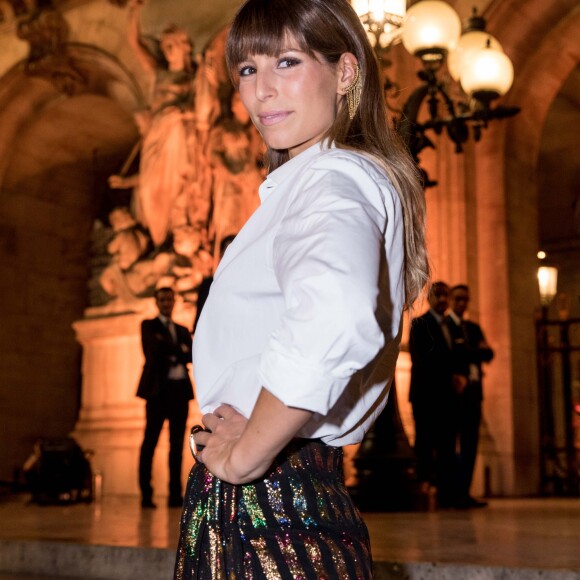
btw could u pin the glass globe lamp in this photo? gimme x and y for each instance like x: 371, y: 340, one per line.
x: 431, y: 29
x: 489, y: 75
x: 469, y: 43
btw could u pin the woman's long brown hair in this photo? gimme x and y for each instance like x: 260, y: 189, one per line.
x: 330, y: 28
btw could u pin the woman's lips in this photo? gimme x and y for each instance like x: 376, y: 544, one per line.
x: 273, y: 117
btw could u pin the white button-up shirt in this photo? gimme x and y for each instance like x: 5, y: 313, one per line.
x: 176, y: 372
x: 307, y: 300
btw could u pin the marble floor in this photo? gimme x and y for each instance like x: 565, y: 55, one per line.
x: 543, y: 534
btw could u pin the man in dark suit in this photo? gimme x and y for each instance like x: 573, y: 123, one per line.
x: 470, y: 350
x: 167, y: 388
x: 432, y: 396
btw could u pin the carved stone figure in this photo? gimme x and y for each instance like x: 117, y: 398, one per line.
x: 169, y: 145
x: 127, y: 277
x: 122, y: 181
x: 129, y: 242
x: 193, y: 261
x: 236, y: 151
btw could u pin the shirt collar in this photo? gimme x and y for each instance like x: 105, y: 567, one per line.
x: 164, y: 319
x: 455, y: 318
x: 436, y: 316
x: 292, y: 166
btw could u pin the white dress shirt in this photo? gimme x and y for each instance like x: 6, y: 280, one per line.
x: 474, y: 374
x: 177, y: 371
x: 307, y: 300
x: 440, y: 318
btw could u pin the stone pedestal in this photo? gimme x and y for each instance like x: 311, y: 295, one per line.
x: 112, y: 418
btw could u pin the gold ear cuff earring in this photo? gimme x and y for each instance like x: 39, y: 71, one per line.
x: 353, y: 93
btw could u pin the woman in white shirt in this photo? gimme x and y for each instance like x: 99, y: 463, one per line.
x: 296, y: 347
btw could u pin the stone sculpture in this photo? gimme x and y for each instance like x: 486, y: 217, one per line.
x: 128, y: 276
x: 199, y: 169
x: 236, y: 150
x: 169, y: 149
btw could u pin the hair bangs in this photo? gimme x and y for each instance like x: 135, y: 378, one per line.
x: 257, y: 29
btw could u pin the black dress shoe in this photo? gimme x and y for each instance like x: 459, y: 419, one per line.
x: 475, y: 503
x: 468, y: 503
x: 148, y: 504
x: 173, y: 502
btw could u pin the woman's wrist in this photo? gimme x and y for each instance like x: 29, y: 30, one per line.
x: 242, y: 467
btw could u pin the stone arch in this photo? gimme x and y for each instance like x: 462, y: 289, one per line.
x: 50, y: 194
x: 22, y: 96
x: 544, y: 49
x: 538, y: 83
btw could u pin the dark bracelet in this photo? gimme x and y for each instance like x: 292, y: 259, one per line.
x: 195, y: 449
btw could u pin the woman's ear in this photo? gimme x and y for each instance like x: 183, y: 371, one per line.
x: 347, y: 71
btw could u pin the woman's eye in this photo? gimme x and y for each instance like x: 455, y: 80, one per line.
x: 288, y: 62
x: 246, y: 70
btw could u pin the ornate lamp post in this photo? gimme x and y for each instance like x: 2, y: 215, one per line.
x: 431, y: 31
x: 548, y: 286
x: 558, y: 458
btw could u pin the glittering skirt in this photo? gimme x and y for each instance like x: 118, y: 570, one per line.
x: 297, y: 523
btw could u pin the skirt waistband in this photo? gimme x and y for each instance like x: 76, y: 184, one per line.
x: 311, y: 455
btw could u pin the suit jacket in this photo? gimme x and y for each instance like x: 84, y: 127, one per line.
x: 467, y: 338
x: 161, y: 352
x: 432, y: 371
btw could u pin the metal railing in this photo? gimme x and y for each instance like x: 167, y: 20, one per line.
x: 558, y: 349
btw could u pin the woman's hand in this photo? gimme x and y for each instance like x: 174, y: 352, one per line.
x: 226, y: 426
x: 116, y: 182
x: 239, y: 450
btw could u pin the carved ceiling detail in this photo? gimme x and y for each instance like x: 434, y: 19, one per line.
x: 14, y: 10
x: 47, y: 34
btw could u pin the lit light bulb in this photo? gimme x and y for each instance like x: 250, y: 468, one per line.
x: 361, y: 7
x: 431, y: 26
x: 469, y: 43
x: 548, y: 283
x: 489, y: 71
x: 376, y: 10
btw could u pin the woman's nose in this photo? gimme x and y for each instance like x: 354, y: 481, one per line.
x: 265, y: 86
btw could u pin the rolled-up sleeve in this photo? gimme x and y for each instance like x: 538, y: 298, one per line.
x: 326, y: 255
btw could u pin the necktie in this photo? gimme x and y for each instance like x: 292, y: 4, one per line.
x: 172, y: 331
x: 177, y: 370
x: 446, y: 333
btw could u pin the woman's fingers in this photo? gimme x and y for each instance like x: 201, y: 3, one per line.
x: 225, y: 411
x: 211, y: 421
x: 201, y: 438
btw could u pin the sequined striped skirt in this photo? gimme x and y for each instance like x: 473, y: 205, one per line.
x: 297, y: 523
